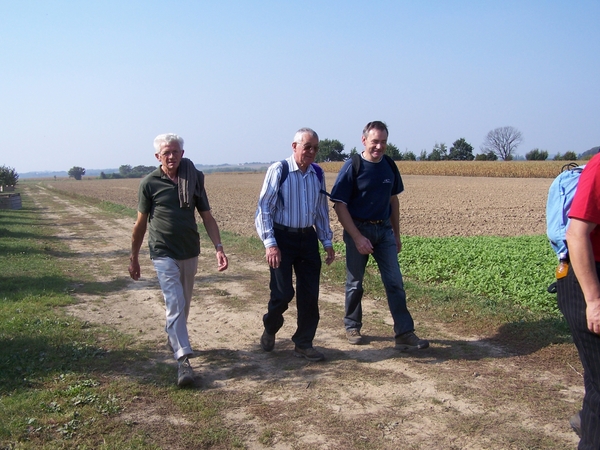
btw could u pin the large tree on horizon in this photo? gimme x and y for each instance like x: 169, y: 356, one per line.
x: 503, y: 142
x: 76, y: 172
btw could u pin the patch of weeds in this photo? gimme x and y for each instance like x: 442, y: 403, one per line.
x: 221, y: 292
x: 267, y: 437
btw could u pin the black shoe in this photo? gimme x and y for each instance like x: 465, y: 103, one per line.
x: 267, y: 341
x: 309, y: 353
x: 410, y: 341
x: 185, y: 373
x: 575, y: 422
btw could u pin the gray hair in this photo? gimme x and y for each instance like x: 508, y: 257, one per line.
x: 166, y: 138
x: 302, y: 131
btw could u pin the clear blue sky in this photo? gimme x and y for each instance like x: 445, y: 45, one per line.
x: 91, y: 83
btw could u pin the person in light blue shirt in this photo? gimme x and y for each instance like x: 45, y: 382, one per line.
x: 291, y: 218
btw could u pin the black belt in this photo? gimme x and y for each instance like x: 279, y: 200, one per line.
x: 374, y: 222
x: 292, y: 230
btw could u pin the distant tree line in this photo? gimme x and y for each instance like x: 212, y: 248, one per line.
x: 542, y: 155
x: 333, y: 150
x: 499, y: 143
x: 126, y: 171
x: 461, y: 150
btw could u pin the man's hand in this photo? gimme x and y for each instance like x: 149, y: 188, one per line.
x: 330, y: 255
x: 592, y: 314
x: 363, y: 245
x: 273, y: 256
x: 222, y: 262
x: 134, y: 268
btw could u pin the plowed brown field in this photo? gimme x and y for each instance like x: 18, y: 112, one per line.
x: 430, y: 205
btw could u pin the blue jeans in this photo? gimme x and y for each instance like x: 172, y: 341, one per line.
x: 300, y: 253
x: 386, y: 255
x: 176, y: 279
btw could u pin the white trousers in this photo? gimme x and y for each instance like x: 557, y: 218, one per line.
x: 176, y: 279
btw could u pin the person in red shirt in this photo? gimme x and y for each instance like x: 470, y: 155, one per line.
x: 579, y: 296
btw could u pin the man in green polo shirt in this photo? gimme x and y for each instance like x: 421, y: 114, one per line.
x: 167, y: 199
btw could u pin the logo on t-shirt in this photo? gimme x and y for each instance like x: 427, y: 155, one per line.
x: 387, y: 181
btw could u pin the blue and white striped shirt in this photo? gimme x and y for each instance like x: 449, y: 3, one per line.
x: 305, y: 205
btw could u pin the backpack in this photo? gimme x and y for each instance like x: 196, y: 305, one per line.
x: 560, y: 196
x: 285, y: 171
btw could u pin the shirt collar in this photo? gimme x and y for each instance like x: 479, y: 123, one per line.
x: 294, y: 165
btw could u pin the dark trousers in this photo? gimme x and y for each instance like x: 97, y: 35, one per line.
x: 300, y: 252
x: 572, y: 304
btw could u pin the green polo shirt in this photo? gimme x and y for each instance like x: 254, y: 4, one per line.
x: 172, y: 230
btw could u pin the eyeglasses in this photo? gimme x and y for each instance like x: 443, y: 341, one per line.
x: 168, y: 154
x: 309, y: 147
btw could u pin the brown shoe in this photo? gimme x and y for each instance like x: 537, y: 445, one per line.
x: 354, y: 337
x: 410, y: 341
x: 267, y: 341
x: 309, y: 353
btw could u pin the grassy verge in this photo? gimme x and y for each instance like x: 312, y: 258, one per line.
x: 70, y: 384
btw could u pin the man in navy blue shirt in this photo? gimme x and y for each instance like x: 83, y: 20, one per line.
x: 366, y: 204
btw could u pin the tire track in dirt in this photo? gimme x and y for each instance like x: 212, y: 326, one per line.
x: 462, y: 393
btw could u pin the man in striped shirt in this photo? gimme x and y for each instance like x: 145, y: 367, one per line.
x: 291, y: 218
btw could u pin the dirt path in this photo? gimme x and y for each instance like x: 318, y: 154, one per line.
x: 462, y: 393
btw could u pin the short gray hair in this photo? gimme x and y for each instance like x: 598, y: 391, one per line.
x: 302, y: 131
x: 166, y: 138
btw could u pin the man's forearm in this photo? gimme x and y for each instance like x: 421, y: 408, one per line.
x: 212, y: 229
x: 137, y: 238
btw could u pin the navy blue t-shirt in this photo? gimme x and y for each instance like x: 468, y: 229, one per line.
x: 367, y: 198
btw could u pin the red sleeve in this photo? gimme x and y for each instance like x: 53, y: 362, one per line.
x: 586, y: 203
